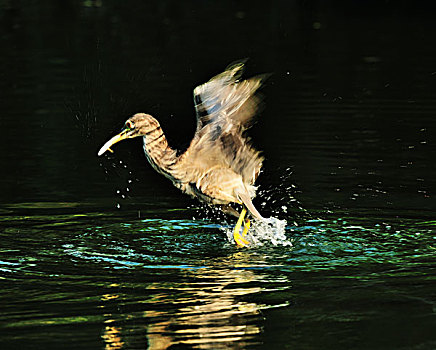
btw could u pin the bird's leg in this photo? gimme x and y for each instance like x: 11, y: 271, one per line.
x: 239, y: 239
x: 247, y: 225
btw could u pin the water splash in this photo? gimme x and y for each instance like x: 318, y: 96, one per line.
x: 269, y: 231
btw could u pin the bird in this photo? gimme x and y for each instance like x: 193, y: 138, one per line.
x: 220, y: 166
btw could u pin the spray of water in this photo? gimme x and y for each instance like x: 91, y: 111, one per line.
x: 120, y: 169
x: 277, y: 201
x: 269, y: 231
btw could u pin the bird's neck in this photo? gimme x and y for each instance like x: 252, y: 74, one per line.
x: 160, y: 155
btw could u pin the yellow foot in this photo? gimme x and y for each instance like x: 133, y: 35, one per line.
x: 246, y: 227
x: 240, y: 239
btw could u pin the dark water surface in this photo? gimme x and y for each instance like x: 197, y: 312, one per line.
x: 105, y: 253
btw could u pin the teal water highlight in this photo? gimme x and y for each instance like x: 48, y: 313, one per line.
x: 164, y: 281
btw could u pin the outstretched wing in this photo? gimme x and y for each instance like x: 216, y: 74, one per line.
x: 226, y: 99
x: 225, y: 107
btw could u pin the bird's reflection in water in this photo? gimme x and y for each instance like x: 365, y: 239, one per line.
x: 111, y: 334
x: 208, y: 310
x: 112, y: 338
x: 217, y: 317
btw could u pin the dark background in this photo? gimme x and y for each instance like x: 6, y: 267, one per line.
x: 349, y: 107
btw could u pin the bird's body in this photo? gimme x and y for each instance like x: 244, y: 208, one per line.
x: 219, y: 166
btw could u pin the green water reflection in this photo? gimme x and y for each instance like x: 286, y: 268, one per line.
x: 161, y: 282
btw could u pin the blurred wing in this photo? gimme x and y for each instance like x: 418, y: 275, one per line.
x: 225, y: 106
x: 225, y: 99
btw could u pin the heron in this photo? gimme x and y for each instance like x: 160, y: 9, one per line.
x: 220, y: 166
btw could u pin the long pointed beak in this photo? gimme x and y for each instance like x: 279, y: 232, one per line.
x: 125, y: 134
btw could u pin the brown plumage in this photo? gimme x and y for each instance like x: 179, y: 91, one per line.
x: 220, y: 166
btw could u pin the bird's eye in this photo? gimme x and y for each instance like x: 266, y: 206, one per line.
x: 130, y: 125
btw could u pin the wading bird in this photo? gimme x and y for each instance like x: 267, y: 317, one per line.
x: 220, y: 166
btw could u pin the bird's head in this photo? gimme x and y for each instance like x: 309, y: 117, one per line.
x: 139, y: 125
